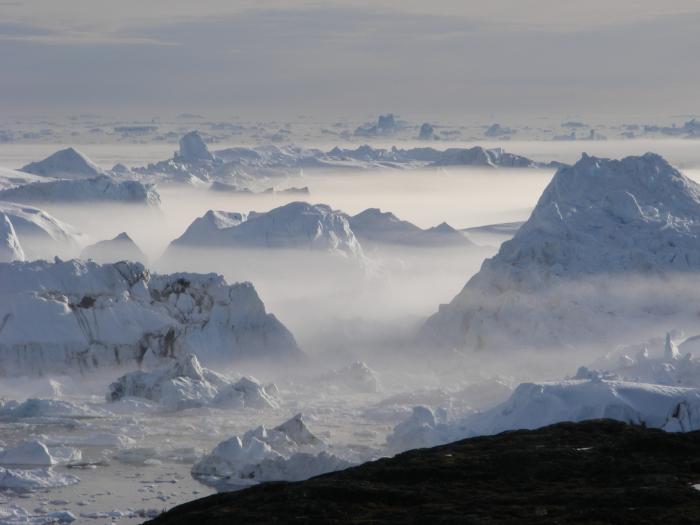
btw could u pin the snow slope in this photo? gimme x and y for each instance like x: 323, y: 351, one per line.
x: 121, y: 248
x: 13, y: 178
x: 40, y: 234
x: 592, y: 262
x: 67, y: 163
x: 10, y: 248
x: 75, y: 316
x: 99, y: 189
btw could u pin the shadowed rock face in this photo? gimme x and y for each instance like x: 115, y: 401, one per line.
x: 594, y: 472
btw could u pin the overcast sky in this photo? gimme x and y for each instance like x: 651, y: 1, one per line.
x: 439, y: 58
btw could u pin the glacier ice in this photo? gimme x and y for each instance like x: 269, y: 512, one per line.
x: 74, y: 316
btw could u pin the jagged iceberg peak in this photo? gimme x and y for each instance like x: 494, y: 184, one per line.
x: 297, y: 225
x: 602, y: 230
x: 297, y: 431
x: 10, y: 248
x: 120, y: 248
x: 193, y: 149
x: 601, y: 215
x: 67, y: 163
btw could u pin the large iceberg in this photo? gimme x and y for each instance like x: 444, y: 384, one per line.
x: 535, y: 405
x: 99, y: 189
x: 67, y: 163
x: 374, y: 227
x: 186, y: 384
x: 193, y: 149
x: 71, y: 316
x: 40, y: 234
x: 296, y: 226
x: 612, y: 245
x: 246, y: 167
x: 35, y: 453
x: 120, y: 248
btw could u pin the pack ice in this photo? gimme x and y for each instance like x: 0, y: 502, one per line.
x: 73, y: 316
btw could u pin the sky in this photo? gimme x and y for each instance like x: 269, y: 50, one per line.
x: 348, y: 59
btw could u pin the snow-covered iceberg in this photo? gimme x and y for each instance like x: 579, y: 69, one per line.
x: 288, y: 452
x: 39, y: 234
x: 193, y: 149
x: 295, y: 226
x: 98, y: 189
x: 612, y: 246
x: 534, y: 405
x: 35, y: 453
x: 186, y: 384
x: 12, y: 178
x: 67, y: 163
x: 120, y: 248
x: 28, y: 480
x: 373, y: 227
x: 73, y: 316
x: 251, y: 167
x: 15, y: 515
x: 10, y: 248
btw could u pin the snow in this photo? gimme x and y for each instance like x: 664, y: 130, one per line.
x: 35, y: 453
x: 39, y: 233
x: 288, y: 452
x: 10, y: 248
x: 297, y: 225
x: 99, y: 189
x: 186, y: 384
x: 67, y: 163
x: 598, y: 225
x: 72, y: 316
x: 120, y: 248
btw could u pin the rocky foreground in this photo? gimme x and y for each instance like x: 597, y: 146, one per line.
x: 592, y: 472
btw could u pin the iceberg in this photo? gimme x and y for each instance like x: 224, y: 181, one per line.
x: 76, y: 316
